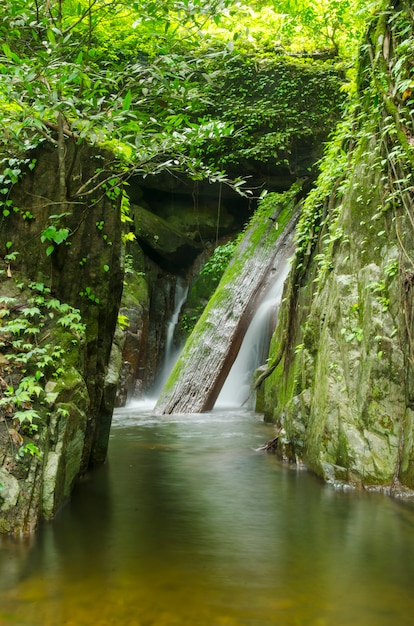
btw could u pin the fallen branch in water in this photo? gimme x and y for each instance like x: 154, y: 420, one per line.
x: 270, y: 446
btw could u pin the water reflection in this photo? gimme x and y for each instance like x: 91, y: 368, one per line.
x: 187, y: 524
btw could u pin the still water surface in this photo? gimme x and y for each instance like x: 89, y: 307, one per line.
x: 189, y: 525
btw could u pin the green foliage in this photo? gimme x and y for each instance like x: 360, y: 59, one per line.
x: 189, y: 321
x: 275, y: 104
x: 123, y: 322
x: 380, y: 290
x: 88, y: 293
x: 353, y: 333
x: 28, y: 448
x: 129, y: 265
x: 392, y: 268
x: 297, y: 27
x: 330, y: 187
x: 55, y: 235
x: 219, y: 260
x: 14, y: 170
x: 61, y: 71
x: 276, y: 203
x: 30, y: 358
x: 149, y: 90
x: 18, y: 402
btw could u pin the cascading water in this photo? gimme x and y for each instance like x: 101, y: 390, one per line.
x: 171, y: 351
x: 236, y: 390
x: 211, y: 349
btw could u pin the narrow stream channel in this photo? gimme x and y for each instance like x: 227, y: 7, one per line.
x: 189, y: 525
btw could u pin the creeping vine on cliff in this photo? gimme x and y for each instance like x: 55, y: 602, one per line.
x: 390, y: 72
x: 385, y: 89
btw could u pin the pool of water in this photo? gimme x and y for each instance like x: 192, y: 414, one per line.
x: 189, y: 524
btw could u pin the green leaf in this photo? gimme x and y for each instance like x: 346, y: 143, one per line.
x: 49, y: 250
x: 61, y: 235
x: 31, y: 448
x: 127, y: 101
x: 9, y: 54
x: 51, y: 36
x: 51, y: 233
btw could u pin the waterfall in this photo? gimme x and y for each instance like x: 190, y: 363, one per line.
x: 171, y: 352
x: 214, y: 344
x: 255, y: 346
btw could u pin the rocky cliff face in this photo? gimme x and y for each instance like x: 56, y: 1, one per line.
x: 341, y: 384
x: 283, y: 111
x: 60, y: 291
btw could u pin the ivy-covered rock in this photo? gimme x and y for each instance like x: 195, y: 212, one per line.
x: 44, y: 405
x: 60, y: 288
x: 283, y: 109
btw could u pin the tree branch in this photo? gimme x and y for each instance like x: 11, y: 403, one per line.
x: 64, y: 130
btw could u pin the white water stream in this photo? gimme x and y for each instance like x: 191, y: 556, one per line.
x: 171, y: 351
x: 170, y: 357
x: 237, y: 390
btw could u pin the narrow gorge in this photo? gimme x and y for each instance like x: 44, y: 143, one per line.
x: 96, y: 245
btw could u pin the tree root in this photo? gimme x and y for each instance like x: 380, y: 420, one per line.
x: 269, y: 370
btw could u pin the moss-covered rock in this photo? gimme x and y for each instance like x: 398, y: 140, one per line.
x: 283, y: 110
x: 44, y: 405
x: 162, y: 241
x: 342, y: 391
x: 60, y: 287
x: 129, y: 358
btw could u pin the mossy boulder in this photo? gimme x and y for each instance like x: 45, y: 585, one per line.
x: 45, y: 404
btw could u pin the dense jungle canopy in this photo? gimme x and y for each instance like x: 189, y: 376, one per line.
x: 141, y: 77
